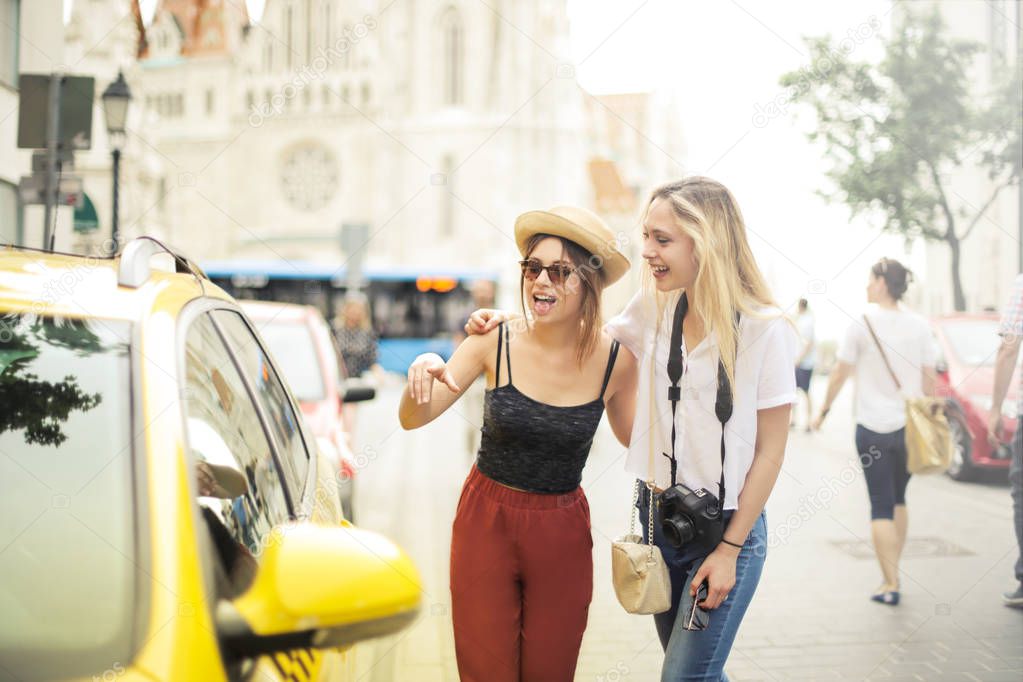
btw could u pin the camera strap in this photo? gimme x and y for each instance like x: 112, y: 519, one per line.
x: 676, y: 368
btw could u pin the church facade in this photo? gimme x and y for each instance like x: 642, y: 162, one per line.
x: 433, y: 122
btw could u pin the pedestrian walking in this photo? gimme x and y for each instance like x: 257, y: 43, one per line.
x: 521, y: 548
x: 807, y: 359
x: 1011, y: 330
x: 889, y: 338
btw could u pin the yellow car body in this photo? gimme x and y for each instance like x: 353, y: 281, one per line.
x: 309, y: 589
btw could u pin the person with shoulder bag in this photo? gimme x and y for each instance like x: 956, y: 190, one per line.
x: 891, y: 352
x: 715, y: 391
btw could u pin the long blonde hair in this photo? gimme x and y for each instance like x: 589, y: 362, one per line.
x: 727, y: 277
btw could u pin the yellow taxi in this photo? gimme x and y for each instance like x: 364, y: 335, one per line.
x: 164, y: 511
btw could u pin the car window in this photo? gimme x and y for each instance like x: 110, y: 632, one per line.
x: 336, y: 360
x: 974, y: 342
x: 272, y: 397
x: 68, y: 546
x: 241, y: 494
x: 292, y: 347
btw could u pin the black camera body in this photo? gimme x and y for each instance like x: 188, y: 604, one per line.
x: 690, y: 516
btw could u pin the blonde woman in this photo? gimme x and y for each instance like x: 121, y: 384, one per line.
x: 700, y: 279
x: 355, y: 335
x: 521, y: 549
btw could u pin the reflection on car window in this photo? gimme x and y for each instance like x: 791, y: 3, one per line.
x: 272, y: 397
x: 68, y: 555
x: 293, y: 349
x: 239, y: 485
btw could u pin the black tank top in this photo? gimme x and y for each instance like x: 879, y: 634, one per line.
x: 531, y: 445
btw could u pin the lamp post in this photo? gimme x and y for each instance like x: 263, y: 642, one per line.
x: 116, y: 99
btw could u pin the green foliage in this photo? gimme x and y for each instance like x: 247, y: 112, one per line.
x: 893, y: 131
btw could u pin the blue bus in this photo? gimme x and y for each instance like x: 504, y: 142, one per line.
x: 413, y: 311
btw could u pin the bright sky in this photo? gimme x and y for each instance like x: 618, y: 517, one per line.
x: 724, y: 58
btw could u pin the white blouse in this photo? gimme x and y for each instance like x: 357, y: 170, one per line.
x: 909, y: 346
x: 764, y: 378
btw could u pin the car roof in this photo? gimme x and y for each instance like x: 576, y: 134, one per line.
x: 273, y: 311
x: 87, y: 286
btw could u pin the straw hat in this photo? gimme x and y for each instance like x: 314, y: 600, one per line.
x: 578, y: 225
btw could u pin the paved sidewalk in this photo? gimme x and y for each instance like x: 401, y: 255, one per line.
x: 811, y: 618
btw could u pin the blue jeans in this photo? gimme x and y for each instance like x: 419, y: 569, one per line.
x: 701, y: 655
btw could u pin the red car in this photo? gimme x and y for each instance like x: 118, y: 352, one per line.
x: 304, y: 348
x: 967, y: 347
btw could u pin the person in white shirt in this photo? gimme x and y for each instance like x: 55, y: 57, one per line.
x: 807, y: 358
x: 880, y: 406
x: 695, y: 246
x: 694, y: 242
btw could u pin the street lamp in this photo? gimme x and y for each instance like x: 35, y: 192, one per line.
x: 116, y: 99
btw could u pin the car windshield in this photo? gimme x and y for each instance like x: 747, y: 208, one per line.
x: 68, y: 555
x: 291, y: 345
x: 974, y: 342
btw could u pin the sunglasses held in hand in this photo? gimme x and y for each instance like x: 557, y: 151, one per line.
x: 698, y: 617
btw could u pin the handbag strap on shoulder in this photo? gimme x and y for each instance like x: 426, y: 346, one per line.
x: 884, y: 356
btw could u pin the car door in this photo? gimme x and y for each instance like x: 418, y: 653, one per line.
x: 242, y: 433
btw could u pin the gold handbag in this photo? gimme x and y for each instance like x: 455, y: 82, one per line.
x: 929, y: 444
x: 638, y: 570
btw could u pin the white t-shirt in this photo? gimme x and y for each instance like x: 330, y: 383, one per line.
x: 909, y: 345
x: 805, y: 323
x: 763, y: 378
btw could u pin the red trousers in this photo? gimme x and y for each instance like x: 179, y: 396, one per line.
x: 521, y: 582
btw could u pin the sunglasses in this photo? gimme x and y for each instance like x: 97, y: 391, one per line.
x: 556, y: 272
x: 698, y: 618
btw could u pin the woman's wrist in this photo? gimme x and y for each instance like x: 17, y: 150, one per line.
x: 729, y: 543
x: 728, y: 548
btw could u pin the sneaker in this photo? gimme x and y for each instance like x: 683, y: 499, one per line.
x: 1014, y: 598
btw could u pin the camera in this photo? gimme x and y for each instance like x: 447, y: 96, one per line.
x: 690, y: 515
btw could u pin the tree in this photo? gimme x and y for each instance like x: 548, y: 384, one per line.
x: 894, y: 131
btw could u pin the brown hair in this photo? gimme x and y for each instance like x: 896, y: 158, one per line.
x: 593, y: 286
x: 896, y: 276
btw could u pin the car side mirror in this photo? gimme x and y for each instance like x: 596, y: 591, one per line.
x: 358, y: 394
x: 321, y: 587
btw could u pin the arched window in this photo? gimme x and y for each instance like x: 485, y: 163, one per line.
x: 453, y: 42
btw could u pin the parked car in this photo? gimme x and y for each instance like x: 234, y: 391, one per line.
x: 300, y: 340
x: 165, y: 513
x: 967, y: 346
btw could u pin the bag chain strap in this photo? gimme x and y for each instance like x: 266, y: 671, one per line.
x: 650, y: 516
x: 634, y: 508
x: 650, y: 530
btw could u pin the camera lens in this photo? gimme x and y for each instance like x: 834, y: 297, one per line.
x: 678, y: 530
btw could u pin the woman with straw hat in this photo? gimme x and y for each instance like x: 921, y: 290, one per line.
x: 521, y: 549
x: 715, y: 388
